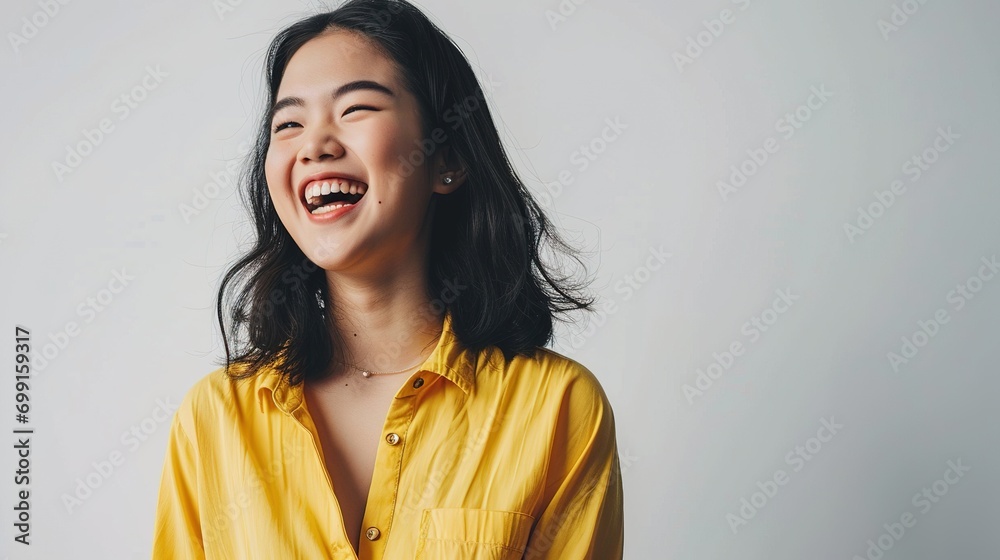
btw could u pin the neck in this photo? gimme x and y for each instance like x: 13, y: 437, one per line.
x: 383, y: 323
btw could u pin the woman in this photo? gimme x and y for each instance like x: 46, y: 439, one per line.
x: 387, y: 394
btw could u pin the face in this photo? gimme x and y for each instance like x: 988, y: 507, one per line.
x: 362, y: 140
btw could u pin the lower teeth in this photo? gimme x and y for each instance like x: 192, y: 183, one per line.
x: 329, y: 208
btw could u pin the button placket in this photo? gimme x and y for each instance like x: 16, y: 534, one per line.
x: 378, y: 514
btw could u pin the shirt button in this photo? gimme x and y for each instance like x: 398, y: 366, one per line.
x: 393, y: 439
x: 418, y: 382
x: 372, y: 533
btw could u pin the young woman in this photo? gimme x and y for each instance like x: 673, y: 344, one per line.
x: 387, y: 393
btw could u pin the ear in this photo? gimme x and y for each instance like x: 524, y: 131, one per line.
x: 446, y: 165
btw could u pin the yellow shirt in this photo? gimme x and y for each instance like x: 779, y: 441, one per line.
x: 479, y: 459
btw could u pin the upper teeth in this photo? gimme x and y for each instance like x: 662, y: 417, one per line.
x: 320, y: 188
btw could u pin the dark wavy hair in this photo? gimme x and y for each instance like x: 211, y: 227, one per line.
x: 486, y: 235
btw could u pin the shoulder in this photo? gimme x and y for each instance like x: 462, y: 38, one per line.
x: 565, y: 400
x: 562, y: 382
x: 214, y: 397
x: 552, y: 368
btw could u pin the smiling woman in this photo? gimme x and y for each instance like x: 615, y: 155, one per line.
x: 386, y: 391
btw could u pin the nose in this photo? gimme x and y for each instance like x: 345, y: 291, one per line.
x: 320, y: 144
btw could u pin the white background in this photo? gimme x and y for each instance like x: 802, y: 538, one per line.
x: 688, y: 460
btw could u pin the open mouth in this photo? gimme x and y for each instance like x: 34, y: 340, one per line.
x: 327, y: 195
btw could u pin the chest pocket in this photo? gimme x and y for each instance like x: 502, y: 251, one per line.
x: 472, y: 534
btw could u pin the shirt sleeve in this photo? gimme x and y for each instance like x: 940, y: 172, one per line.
x: 177, y: 533
x: 584, y: 516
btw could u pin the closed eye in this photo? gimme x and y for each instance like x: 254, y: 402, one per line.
x: 351, y: 109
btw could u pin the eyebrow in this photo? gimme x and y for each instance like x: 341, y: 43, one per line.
x: 342, y: 90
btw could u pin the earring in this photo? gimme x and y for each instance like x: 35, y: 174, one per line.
x: 447, y: 180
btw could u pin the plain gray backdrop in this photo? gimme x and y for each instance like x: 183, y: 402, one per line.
x: 789, y: 209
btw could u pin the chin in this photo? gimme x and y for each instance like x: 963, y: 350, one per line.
x: 327, y: 255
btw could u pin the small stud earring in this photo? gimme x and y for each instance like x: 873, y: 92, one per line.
x: 447, y: 180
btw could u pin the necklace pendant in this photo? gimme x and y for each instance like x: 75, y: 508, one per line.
x: 366, y: 373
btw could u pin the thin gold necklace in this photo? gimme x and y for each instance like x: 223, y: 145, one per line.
x: 369, y: 373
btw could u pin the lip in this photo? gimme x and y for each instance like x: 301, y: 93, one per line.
x: 333, y: 214
x: 324, y: 175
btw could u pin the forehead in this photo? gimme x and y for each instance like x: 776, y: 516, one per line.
x: 333, y: 58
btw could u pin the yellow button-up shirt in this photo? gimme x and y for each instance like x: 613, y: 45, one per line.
x: 480, y: 458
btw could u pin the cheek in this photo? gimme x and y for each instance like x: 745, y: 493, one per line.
x: 397, y: 149
x: 276, y: 175
x: 279, y: 188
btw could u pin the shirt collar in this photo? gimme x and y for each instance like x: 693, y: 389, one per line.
x: 450, y: 359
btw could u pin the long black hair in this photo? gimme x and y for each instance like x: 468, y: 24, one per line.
x: 486, y: 237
